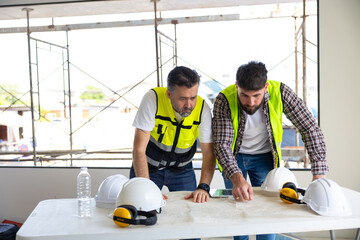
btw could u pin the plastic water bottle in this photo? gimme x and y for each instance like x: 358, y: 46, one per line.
x: 84, y: 193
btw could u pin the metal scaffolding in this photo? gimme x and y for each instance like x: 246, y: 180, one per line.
x: 160, y: 40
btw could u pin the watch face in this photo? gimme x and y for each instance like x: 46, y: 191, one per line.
x: 204, y: 187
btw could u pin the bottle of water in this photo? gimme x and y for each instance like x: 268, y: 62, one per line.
x: 84, y: 193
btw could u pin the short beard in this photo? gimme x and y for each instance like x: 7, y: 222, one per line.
x: 251, y: 111
x: 185, y: 114
x: 182, y: 112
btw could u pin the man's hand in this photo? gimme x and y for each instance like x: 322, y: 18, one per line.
x: 242, y: 191
x: 165, y: 197
x: 198, y: 196
x: 207, y: 172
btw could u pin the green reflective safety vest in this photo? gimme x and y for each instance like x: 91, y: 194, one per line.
x: 172, y: 144
x: 275, y: 113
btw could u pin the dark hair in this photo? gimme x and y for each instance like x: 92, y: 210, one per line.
x: 251, y: 76
x: 182, y: 76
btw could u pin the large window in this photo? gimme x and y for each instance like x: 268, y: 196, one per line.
x: 102, y: 73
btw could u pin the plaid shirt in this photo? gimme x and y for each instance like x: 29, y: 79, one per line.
x: 294, y: 109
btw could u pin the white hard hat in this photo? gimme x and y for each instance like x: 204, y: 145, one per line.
x: 326, y: 198
x: 142, y: 193
x: 109, y: 190
x: 276, y: 178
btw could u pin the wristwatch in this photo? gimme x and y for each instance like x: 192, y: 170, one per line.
x: 204, y: 187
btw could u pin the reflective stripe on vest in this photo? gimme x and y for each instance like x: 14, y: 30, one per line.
x: 275, y: 113
x: 172, y: 144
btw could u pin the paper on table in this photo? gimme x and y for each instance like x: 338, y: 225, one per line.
x: 261, y: 203
x: 230, y: 210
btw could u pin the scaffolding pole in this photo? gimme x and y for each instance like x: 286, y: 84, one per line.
x: 296, y: 75
x: 69, y: 94
x: 156, y: 44
x: 296, y: 60
x: 175, y: 50
x: 304, y: 52
x: 28, y: 10
x: 29, y: 38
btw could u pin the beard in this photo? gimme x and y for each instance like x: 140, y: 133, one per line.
x: 185, y: 112
x: 253, y: 109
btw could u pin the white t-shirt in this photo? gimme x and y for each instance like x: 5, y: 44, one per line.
x: 145, y: 119
x: 255, y: 139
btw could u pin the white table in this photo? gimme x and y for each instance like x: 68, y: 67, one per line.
x: 57, y: 219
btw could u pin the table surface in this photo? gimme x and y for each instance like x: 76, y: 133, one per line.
x: 180, y: 218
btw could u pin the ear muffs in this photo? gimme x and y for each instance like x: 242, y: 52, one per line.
x: 124, y: 215
x: 290, y: 193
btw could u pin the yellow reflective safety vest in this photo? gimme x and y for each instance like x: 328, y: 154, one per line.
x: 172, y: 144
x: 275, y: 113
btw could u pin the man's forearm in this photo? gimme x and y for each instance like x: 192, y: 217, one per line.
x: 208, y: 164
x: 223, y: 130
x: 140, y: 165
x: 310, y: 131
x: 207, y: 173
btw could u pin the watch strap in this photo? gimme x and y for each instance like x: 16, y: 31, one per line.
x: 204, y: 187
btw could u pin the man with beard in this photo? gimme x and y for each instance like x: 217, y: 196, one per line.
x: 247, y: 130
x: 168, y: 123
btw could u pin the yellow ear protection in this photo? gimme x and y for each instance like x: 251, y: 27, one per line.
x: 124, y: 215
x: 290, y: 193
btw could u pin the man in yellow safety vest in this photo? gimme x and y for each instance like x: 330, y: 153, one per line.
x: 169, y: 122
x: 247, y: 130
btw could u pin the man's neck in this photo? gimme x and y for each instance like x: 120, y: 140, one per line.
x: 178, y: 117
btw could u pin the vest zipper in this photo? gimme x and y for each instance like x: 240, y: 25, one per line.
x: 162, y: 133
x: 177, y: 133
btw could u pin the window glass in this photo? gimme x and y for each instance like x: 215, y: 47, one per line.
x: 102, y: 73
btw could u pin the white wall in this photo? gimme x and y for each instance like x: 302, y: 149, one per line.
x: 339, y: 88
x: 21, y: 189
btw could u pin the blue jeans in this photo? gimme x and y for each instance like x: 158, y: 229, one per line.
x: 179, y: 180
x: 257, y: 166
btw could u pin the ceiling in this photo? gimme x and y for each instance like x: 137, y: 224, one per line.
x: 13, y: 9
